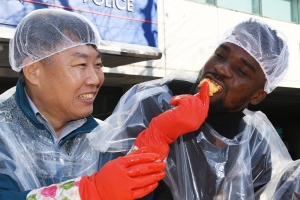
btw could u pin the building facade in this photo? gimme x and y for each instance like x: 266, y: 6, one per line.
x: 148, y: 39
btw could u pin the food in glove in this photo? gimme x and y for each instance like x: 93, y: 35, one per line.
x: 213, y: 87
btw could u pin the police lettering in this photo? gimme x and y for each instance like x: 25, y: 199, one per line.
x: 120, y: 4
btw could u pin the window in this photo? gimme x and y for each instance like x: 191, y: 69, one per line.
x: 204, y: 1
x: 286, y: 10
x: 106, y: 101
x: 247, y: 6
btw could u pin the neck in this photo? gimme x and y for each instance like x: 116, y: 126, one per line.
x: 57, y: 123
x: 58, y: 126
x: 226, y: 123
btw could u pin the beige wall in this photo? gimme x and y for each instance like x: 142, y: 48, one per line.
x: 188, y: 31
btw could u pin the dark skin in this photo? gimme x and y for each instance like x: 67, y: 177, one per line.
x: 240, y: 76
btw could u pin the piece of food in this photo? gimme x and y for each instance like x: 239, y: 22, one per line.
x: 213, y: 87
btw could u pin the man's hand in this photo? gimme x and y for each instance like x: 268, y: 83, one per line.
x: 188, y: 115
x: 125, y: 178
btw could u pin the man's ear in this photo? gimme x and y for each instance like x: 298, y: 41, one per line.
x: 31, y: 73
x: 258, y: 97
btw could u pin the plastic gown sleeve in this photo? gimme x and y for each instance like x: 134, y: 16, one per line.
x: 188, y: 115
x: 284, y: 186
x: 133, y: 114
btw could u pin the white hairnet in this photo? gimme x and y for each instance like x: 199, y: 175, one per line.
x: 267, y: 45
x: 45, y: 32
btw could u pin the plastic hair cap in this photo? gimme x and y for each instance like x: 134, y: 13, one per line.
x: 267, y: 45
x: 45, y: 32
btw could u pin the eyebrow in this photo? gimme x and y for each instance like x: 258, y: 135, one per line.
x: 99, y: 55
x: 227, y: 48
x: 83, y: 55
x: 79, y: 54
x: 249, y: 65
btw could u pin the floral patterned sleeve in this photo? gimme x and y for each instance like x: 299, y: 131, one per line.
x: 67, y: 190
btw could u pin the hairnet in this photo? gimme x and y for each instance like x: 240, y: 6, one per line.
x: 265, y: 44
x: 45, y: 32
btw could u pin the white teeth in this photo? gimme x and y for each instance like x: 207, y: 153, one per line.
x: 86, y: 96
x: 216, y: 84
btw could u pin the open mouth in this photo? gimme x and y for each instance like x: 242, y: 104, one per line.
x: 213, y: 86
x: 86, y: 96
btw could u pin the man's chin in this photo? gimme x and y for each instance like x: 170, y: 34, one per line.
x: 84, y: 114
x: 216, y: 105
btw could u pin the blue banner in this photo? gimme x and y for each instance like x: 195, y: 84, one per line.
x: 125, y: 21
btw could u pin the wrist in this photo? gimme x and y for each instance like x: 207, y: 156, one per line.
x: 154, y: 141
x: 63, y: 190
x: 88, y: 188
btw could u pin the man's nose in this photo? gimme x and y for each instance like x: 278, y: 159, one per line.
x: 224, y: 69
x: 93, y: 76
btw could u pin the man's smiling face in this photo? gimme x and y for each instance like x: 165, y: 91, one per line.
x: 68, y: 88
x: 238, y: 73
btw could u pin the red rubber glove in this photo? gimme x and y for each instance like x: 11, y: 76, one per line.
x: 190, y: 113
x: 125, y: 178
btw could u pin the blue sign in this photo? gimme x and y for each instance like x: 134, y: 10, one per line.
x: 126, y: 21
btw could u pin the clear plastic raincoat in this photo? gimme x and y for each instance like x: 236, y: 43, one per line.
x: 284, y: 186
x: 28, y: 153
x: 202, y: 164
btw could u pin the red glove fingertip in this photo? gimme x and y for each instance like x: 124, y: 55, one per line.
x: 205, y: 84
x: 204, y: 93
x: 203, y: 90
x: 140, y: 192
x: 174, y: 100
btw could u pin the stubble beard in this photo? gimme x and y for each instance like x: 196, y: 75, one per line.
x: 218, y: 104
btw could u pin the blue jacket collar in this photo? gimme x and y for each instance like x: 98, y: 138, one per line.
x: 23, y: 103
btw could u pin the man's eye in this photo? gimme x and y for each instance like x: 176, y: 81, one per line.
x: 99, y: 65
x: 219, y: 55
x: 242, y: 72
x: 81, y: 65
